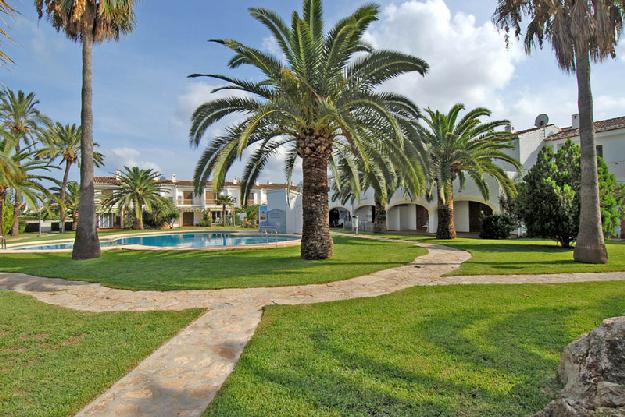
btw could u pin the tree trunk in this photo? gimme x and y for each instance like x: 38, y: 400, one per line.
x: 379, y: 226
x: 17, y: 211
x: 315, y: 151
x: 223, y: 215
x: 446, y: 223
x: 68, y: 165
x: 2, y: 199
x: 138, y: 216
x: 87, y: 244
x: 590, y: 246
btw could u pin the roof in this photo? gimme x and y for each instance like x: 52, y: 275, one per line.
x: 522, y: 132
x: 109, y: 180
x: 600, y: 126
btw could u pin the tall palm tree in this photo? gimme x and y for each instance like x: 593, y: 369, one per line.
x: 224, y: 201
x: 20, y: 116
x: 88, y: 21
x: 8, y: 10
x: 322, y: 93
x: 138, y: 190
x: 63, y: 142
x: 460, y: 147
x: 580, y: 32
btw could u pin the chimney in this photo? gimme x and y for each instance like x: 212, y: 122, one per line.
x: 508, y: 128
x: 575, y: 121
x: 173, y: 178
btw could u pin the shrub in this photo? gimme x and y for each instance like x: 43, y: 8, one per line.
x: 207, y: 220
x: 163, y: 214
x: 497, y: 227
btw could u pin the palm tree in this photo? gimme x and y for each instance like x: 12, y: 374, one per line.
x: 6, y: 9
x: 322, y: 93
x: 63, y: 142
x: 88, y: 21
x: 385, y: 174
x: 71, y: 200
x: 26, y: 178
x: 457, y: 148
x: 20, y: 117
x: 138, y: 190
x: 224, y: 201
x: 580, y: 32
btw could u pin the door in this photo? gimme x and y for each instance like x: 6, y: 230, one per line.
x: 477, y: 212
x: 187, y: 219
x: 423, y: 219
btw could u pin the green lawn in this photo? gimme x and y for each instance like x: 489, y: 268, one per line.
x: 520, y: 256
x: 219, y: 269
x: 470, y: 351
x: 54, y: 361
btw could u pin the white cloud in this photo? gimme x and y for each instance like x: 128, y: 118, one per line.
x: 118, y: 158
x: 469, y: 62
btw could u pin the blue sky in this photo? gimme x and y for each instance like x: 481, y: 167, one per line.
x: 143, y: 100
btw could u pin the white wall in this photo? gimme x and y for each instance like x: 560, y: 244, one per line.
x: 461, y: 216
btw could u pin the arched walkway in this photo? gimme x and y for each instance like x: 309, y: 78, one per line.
x: 469, y: 214
x: 408, y: 217
x: 339, y: 216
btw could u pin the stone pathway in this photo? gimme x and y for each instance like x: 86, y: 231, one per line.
x: 182, y: 377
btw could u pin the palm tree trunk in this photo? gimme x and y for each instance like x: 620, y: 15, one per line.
x: 2, y: 199
x: 590, y: 246
x: 87, y: 244
x: 446, y: 223
x: 379, y: 226
x: 62, y: 196
x: 138, y: 216
x: 316, y: 240
x: 223, y: 215
x: 17, y: 207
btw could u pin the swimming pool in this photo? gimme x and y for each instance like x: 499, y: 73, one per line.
x: 197, y: 240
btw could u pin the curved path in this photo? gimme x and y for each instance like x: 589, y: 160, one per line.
x: 182, y: 377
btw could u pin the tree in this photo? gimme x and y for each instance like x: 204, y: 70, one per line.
x: 88, y: 21
x: 63, y: 142
x: 385, y: 173
x: 322, y: 92
x: 457, y: 148
x: 163, y: 214
x: 224, y: 201
x: 26, y: 177
x: 580, y: 32
x: 549, y: 196
x: 5, y: 9
x: 21, y: 118
x: 138, y: 190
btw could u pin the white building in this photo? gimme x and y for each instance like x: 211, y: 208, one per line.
x: 181, y: 193
x: 420, y: 215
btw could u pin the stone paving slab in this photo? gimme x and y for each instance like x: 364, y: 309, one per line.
x: 183, y: 376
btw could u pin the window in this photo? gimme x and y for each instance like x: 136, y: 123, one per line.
x: 599, y: 150
x: 210, y: 197
x: 187, y: 198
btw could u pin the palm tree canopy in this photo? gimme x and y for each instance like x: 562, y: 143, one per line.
x: 324, y: 86
x: 25, y: 174
x: 459, y: 147
x: 6, y: 9
x: 20, y: 116
x: 137, y: 187
x: 571, y: 26
x: 63, y: 142
x: 107, y: 19
x: 224, y: 200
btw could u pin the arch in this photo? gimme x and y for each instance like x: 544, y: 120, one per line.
x: 469, y: 213
x: 408, y: 217
x: 339, y: 216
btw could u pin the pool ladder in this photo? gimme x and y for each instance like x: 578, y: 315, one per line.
x: 268, y: 231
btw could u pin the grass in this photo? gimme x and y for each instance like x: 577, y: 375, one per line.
x: 53, y: 236
x: 145, y: 270
x: 54, y: 361
x: 470, y: 351
x: 521, y: 256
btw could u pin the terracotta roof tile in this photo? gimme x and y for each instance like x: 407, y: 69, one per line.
x: 600, y: 126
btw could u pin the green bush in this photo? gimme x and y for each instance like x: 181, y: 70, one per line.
x: 207, y: 219
x: 163, y: 214
x: 497, y: 227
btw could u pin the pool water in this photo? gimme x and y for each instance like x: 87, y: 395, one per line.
x: 178, y: 241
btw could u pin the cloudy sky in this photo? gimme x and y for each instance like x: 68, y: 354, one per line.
x: 143, y: 100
